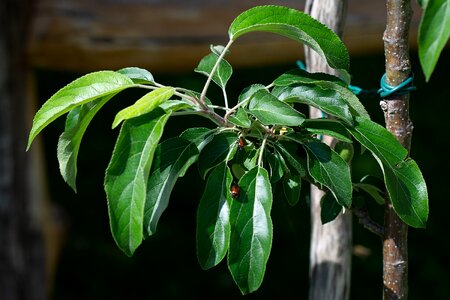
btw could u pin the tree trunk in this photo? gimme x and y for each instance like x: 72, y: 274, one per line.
x: 330, y: 253
x: 21, y: 245
x: 396, y: 114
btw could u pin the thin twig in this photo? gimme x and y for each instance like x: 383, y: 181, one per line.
x: 368, y: 222
x: 208, y: 81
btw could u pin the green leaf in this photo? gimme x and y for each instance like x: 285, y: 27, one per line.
x: 69, y: 141
x: 138, y: 75
x: 289, y: 152
x: 404, y: 182
x: 434, y: 32
x: 372, y: 190
x: 240, y: 119
x: 82, y: 90
x: 322, y: 85
x: 144, y: 105
x: 330, y: 170
x: 324, y: 99
x: 200, y: 136
x: 176, y: 105
x: 276, y: 166
x: 299, y: 76
x: 292, y: 185
x: 127, y: 174
x: 223, y: 72
x: 213, y: 225
x: 295, y: 25
x: 328, y: 127
x: 271, y: 111
x: 217, y: 151
x: 330, y: 209
x: 251, y: 230
x: 218, y: 49
x: 249, y: 91
x: 423, y: 3
x: 172, y: 157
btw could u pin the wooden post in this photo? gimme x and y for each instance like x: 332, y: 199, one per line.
x: 22, y: 264
x: 330, y: 253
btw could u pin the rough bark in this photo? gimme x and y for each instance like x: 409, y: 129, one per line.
x: 330, y: 253
x: 398, y: 122
x: 21, y: 245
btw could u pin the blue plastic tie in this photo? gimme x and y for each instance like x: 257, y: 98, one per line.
x: 403, y: 88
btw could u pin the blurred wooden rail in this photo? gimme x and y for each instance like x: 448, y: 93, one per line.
x: 173, y: 35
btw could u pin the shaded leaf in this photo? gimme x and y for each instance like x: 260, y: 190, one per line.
x: 240, y: 119
x: 326, y: 100
x: 216, y: 151
x: 82, y: 90
x: 271, y: 111
x: 251, y: 231
x: 292, y: 185
x: 276, y: 166
x: 172, y: 157
x: 372, y: 190
x: 326, y: 82
x: 176, y: 105
x: 295, y: 25
x: 404, y: 182
x: 330, y: 170
x: 69, y: 141
x: 138, y: 75
x: 299, y: 76
x: 328, y: 127
x: 289, y: 153
x: 213, y: 226
x: 144, y: 105
x: 127, y: 174
x: 330, y: 209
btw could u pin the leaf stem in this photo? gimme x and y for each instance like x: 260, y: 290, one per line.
x: 208, y: 81
x: 234, y: 108
x: 263, y: 145
x: 225, y: 98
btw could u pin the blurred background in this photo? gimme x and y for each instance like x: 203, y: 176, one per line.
x: 55, y: 244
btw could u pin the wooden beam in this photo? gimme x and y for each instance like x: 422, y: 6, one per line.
x: 84, y: 35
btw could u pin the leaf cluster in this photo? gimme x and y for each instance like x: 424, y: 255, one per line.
x: 261, y: 144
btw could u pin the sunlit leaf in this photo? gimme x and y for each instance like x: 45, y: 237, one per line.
x: 82, y: 90
x: 223, y: 72
x: 295, y: 25
x: 434, y: 32
x: 144, y: 105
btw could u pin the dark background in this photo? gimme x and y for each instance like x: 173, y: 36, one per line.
x: 165, y: 265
